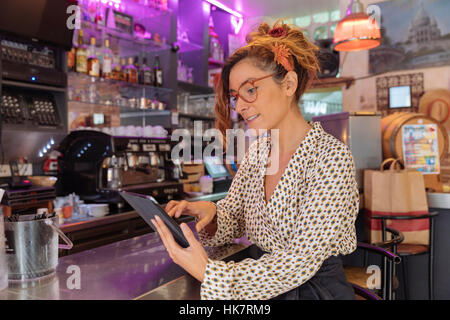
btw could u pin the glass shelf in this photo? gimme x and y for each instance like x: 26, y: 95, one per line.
x: 121, y: 107
x: 128, y: 43
x: 83, y: 87
x: 186, y: 46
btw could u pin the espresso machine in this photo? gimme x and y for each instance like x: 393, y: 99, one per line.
x: 96, y: 166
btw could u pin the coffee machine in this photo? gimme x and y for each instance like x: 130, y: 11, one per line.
x: 96, y: 166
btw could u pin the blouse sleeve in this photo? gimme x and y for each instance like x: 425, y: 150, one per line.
x: 230, y: 212
x: 324, y: 227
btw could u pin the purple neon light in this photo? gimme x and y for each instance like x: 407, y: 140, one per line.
x: 225, y: 8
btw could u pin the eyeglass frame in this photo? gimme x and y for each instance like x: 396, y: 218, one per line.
x: 252, y: 82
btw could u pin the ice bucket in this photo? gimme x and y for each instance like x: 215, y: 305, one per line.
x: 32, y: 248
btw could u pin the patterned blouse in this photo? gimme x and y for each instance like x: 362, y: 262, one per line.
x: 309, y: 217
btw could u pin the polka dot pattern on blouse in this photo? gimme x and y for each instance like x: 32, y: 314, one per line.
x: 309, y: 217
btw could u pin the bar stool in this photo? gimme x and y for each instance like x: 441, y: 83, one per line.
x: 357, y: 276
x: 404, y: 250
x: 364, y: 293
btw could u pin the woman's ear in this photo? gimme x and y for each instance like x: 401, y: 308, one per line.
x: 291, y: 83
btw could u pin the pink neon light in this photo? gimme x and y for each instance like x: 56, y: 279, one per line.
x: 225, y: 8
x: 236, y: 23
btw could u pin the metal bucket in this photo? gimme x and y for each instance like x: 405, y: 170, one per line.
x: 32, y: 248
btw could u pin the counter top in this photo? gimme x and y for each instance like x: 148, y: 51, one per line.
x: 438, y: 200
x: 79, y: 223
x: 124, y: 270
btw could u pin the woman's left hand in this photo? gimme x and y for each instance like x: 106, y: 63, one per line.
x: 193, y: 259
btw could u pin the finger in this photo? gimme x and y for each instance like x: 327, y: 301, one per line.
x: 181, y: 208
x: 164, y: 239
x: 164, y: 233
x: 202, y: 223
x: 172, y: 211
x: 170, y: 205
x: 188, y: 234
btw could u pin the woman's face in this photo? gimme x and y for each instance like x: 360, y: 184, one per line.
x: 271, y: 104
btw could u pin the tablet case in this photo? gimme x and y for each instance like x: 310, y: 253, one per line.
x: 147, y: 207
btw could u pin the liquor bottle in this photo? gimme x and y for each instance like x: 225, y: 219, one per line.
x: 81, y: 54
x: 131, y: 71
x: 71, y: 59
x: 116, y: 73
x: 157, y: 73
x: 107, y: 61
x: 123, y: 74
x: 214, y: 44
x: 93, y: 62
x: 145, y: 74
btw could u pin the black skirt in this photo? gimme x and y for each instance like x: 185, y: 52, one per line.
x: 329, y: 282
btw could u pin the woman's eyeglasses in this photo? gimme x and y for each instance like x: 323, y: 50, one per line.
x: 247, y: 92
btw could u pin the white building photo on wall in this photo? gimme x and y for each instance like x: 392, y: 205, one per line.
x: 415, y: 34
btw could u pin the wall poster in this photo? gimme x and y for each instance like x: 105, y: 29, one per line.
x: 420, y: 147
x: 415, y: 34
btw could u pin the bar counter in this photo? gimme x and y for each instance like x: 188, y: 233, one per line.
x: 89, y: 232
x: 135, y: 268
x: 76, y: 224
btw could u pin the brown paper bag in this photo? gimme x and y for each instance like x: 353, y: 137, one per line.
x: 395, y: 192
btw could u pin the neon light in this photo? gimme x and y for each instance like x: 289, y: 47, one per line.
x: 225, y: 8
x: 236, y: 23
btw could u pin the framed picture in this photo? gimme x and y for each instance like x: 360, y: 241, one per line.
x: 120, y: 21
x: 414, y: 34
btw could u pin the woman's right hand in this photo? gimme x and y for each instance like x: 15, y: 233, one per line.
x: 204, y: 211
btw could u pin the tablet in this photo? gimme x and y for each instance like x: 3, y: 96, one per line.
x: 147, y: 207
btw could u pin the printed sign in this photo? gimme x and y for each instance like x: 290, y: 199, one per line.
x: 420, y: 147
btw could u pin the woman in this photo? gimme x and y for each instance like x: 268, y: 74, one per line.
x: 301, y: 217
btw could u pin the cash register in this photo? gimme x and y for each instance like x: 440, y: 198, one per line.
x: 218, y: 172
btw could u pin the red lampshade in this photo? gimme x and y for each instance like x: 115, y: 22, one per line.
x: 357, y: 31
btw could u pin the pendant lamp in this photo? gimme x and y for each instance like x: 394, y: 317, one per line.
x: 357, y: 31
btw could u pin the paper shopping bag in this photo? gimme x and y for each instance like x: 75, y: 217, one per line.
x: 395, y: 192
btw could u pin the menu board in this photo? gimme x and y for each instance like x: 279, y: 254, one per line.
x: 420, y: 147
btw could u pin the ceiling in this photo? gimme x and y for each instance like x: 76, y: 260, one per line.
x: 281, y: 8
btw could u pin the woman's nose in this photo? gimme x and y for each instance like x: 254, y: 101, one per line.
x: 241, y: 105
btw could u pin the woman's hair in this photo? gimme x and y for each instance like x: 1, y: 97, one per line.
x: 260, y: 48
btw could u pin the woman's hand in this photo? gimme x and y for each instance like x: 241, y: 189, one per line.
x: 193, y: 259
x: 204, y: 211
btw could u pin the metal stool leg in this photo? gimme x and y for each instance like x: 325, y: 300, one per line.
x: 431, y: 263
x: 405, y: 277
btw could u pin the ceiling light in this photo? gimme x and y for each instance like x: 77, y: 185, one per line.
x: 357, y: 30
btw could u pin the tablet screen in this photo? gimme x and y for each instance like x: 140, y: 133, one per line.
x: 147, y: 208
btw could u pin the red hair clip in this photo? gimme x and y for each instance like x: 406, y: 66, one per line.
x: 277, y: 32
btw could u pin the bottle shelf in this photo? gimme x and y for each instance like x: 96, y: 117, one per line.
x: 129, y: 42
x: 122, y: 108
x: 79, y: 80
x: 194, y: 88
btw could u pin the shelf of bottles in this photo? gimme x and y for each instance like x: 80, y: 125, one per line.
x: 128, y: 96
x: 115, y: 60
